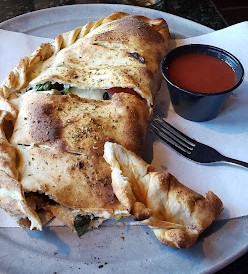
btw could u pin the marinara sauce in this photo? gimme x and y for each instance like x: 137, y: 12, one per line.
x: 201, y: 73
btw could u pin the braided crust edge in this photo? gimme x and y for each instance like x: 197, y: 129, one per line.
x: 17, y: 78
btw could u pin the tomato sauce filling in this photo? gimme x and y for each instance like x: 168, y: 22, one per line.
x: 111, y: 91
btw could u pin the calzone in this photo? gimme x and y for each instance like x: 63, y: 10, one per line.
x: 59, y: 106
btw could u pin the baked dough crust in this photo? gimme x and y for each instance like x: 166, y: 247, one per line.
x: 80, y: 125
x: 175, y: 213
x: 60, y: 140
x: 115, y: 51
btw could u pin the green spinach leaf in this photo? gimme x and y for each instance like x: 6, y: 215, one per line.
x: 66, y: 89
x: 63, y: 88
x: 81, y: 223
x: 105, y: 96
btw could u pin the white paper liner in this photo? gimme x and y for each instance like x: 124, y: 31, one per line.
x: 228, y: 133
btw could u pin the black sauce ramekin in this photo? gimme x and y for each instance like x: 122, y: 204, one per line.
x: 199, y: 106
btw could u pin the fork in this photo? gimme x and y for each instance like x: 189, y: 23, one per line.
x: 187, y: 146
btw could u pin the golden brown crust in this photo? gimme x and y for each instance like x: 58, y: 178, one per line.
x: 81, y: 125
x: 176, y: 214
x: 68, y: 179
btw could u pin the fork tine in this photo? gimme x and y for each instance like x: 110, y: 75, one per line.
x: 173, y: 135
x: 175, y: 131
x: 171, y: 142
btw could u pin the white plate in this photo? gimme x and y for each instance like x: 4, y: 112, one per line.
x: 53, y: 21
x: 112, y: 249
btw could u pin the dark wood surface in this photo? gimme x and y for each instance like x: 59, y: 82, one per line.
x: 233, y: 11
x: 216, y: 14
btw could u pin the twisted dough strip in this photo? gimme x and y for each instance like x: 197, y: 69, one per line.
x: 17, y: 78
x: 176, y: 214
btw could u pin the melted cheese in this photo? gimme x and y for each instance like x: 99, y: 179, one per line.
x: 96, y: 94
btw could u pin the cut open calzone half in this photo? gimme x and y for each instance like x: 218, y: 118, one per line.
x: 61, y: 104
x: 117, y: 53
x: 175, y: 213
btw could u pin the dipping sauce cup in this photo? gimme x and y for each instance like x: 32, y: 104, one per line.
x: 200, y: 78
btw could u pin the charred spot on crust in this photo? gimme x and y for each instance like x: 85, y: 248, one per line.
x: 44, y: 126
x: 138, y: 57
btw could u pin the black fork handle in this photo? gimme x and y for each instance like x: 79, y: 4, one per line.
x: 235, y: 162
